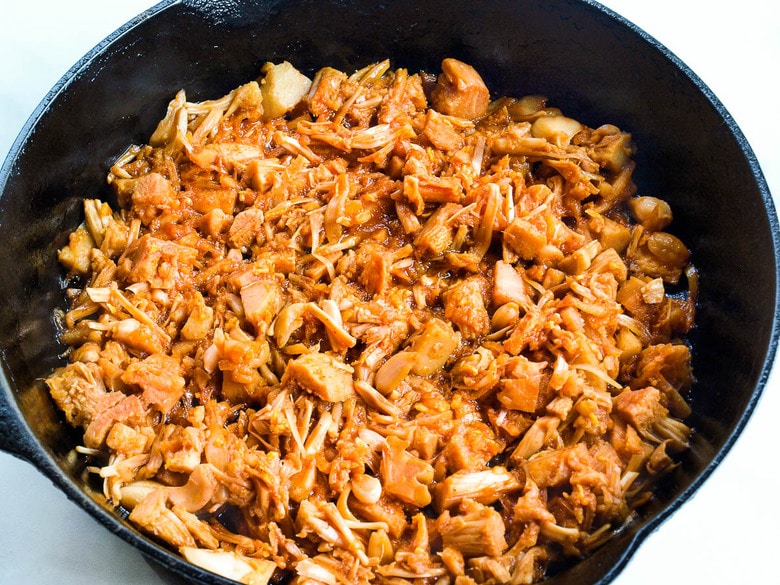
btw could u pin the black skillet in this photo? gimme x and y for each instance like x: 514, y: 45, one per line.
x: 596, y: 66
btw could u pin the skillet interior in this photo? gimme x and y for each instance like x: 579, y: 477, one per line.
x: 595, y: 67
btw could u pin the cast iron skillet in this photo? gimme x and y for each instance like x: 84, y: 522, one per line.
x: 594, y: 65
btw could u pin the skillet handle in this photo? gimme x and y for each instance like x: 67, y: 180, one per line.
x: 15, y: 437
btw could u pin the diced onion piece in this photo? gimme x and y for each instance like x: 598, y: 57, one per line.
x: 653, y: 292
x: 231, y: 565
x: 312, y: 572
x: 282, y: 87
x: 434, y: 345
x: 394, y: 371
x: 287, y: 321
x: 133, y: 493
x: 527, y: 106
x: 558, y: 130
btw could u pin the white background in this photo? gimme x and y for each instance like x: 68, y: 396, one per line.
x: 728, y: 533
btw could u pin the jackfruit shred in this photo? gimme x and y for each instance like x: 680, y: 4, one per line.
x: 377, y: 328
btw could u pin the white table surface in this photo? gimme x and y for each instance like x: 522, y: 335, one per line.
x: 726, y: 534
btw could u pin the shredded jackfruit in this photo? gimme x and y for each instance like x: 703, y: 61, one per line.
x: 377, y: 327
